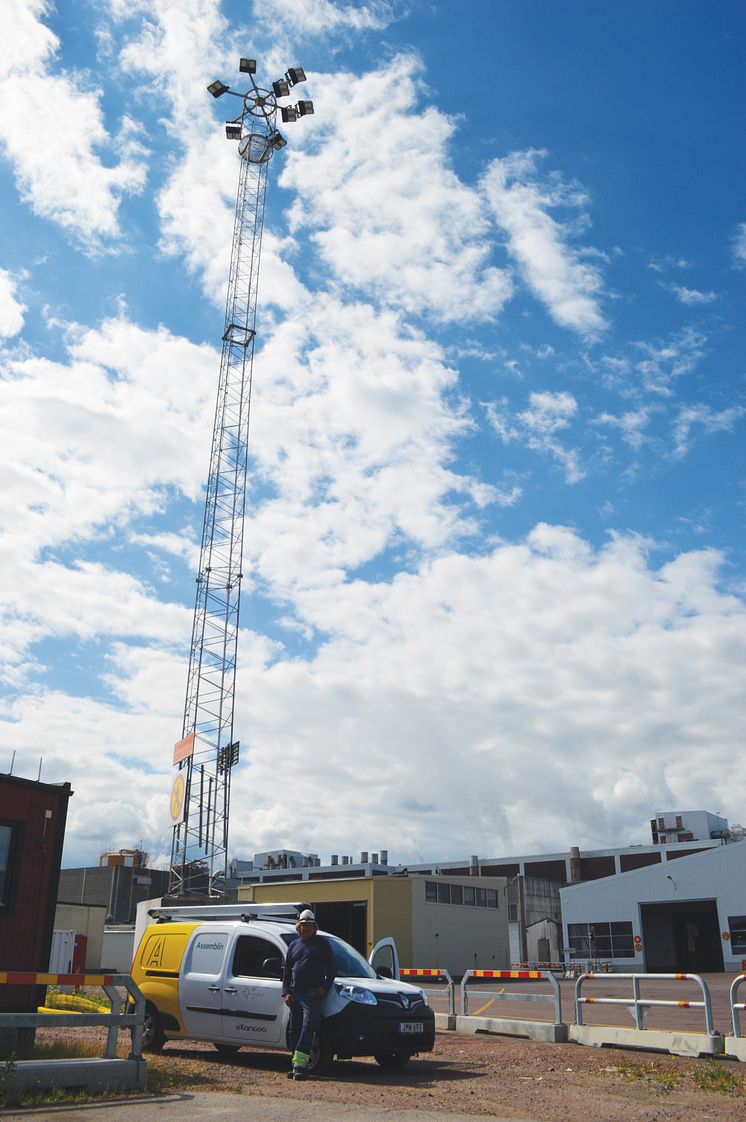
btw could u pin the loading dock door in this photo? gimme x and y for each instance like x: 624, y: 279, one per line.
x: 346, y: 919
x: 682, y: 937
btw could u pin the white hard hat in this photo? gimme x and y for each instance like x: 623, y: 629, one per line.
x: 306, y: 916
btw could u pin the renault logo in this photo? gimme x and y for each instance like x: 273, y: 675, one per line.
x: 404, y: 1000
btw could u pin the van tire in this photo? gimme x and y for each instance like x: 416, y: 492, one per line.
x: 395, y: 1059
x: 153, y: 1037
x: 226, y: 1049
x: 321, y: 1055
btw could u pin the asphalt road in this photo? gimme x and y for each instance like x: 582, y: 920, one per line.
x: 233, y: 1108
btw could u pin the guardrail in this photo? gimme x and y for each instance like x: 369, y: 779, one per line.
x: 735, y: 1043
x: 546, y: 1030
x: 685, y: 1043
x: 92, y: 1072
x: 414, y: 972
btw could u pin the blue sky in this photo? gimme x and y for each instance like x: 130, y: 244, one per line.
x: 494, y: 545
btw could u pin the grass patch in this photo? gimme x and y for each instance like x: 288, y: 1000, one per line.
x: 717, y: 1077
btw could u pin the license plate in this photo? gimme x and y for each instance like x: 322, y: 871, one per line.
x: 411, y: 1026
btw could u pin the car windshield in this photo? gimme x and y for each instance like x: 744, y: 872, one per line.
x: 349, y: 963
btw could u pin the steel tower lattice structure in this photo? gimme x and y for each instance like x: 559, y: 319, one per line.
x: 207, y: 752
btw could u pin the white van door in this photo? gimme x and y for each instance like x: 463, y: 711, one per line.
x: 200, y: 984
x: 385, y: 959
x: 253, y: 1009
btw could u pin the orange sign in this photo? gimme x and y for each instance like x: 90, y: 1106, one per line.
x: 183, y: 748
x: 178, y: 793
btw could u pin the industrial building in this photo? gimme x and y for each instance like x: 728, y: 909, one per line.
x: 686, y: 916
x: 452, y: 923
x: 118, y: 883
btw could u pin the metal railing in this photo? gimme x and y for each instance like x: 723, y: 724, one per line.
x: 448, y: 982
x: 111, y: 984
x: 639, y: 1006
x: 521, y: 975
x: 736, y: 1007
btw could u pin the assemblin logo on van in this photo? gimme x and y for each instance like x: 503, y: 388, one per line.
x: 209, y: 946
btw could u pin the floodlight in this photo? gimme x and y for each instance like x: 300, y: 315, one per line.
x: 304, y: 108
x: 295, y: 75
x: 217, y: 88
x: 247, y: 65
x: 281, y: 88
x: 277, y: 140
x: 289, y: 113
x: 232, y: 130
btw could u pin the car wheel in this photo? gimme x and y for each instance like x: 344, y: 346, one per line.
x: 153, y: 1037
x: 395, y: 1059
x: 321, y: 1055
x: 227, y: 1049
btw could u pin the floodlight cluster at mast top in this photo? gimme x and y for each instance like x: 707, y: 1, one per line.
x: 262, y: 103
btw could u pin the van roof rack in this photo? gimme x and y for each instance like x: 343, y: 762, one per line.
x: 242, y: 910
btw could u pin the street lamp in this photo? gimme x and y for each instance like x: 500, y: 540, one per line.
x: 261, y: 106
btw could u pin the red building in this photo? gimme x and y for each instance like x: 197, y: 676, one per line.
x: 32, y: 830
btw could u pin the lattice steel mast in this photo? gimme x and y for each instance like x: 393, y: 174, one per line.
x: 207, y: 752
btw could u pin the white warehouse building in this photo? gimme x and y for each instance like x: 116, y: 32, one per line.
x: 686, y: 915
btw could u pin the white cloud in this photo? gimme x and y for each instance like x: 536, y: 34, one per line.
x: 692, y: 296
x: 387, y: 213
x: 550, y: 670
x: 66, y: 173
x: 739, y: 244
x: 87, y: 446
x: 537, y: 426
x: 547, y: 669
x: 321, y: 17
x: 707, y: 419
x: 11, y: 309
x: 632, y: 424
x: 663, y: 362
x: 567, y: 284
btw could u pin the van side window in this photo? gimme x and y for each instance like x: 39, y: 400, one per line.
x: 252, y: 955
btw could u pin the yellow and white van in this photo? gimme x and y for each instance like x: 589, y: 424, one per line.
x: 215, y: 974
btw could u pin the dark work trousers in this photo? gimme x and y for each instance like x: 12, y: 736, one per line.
x: 305, y: 1018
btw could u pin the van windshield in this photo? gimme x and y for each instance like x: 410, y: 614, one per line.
x: 349, y: 963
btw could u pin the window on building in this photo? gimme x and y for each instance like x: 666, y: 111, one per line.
x: 512, y: 913
x: 444, y: 893
x: 431, y: 892
x: 7, y: 835
x: 469, y: 896
x: 737, y: 928
x: 601, y: 940
x: 457, y: 894
x: 490, y: 897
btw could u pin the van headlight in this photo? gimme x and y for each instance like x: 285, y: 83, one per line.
x: 356, y: 993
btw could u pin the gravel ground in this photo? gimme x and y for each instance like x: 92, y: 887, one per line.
x: 482, y: 1075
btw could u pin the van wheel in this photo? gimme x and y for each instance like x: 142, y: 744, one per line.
x: 153, y: 1037
x: 321, y: 1055
x: 227, y: 1049
x: 396, y: 1059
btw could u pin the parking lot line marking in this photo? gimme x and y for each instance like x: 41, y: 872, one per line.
x: 482, y: 1008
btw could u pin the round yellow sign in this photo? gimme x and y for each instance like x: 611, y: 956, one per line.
x: 178, y: 791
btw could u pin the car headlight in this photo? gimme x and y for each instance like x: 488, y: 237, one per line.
x: 355, y: 993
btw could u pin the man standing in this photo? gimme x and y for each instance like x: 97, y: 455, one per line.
x: 308, y: 977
